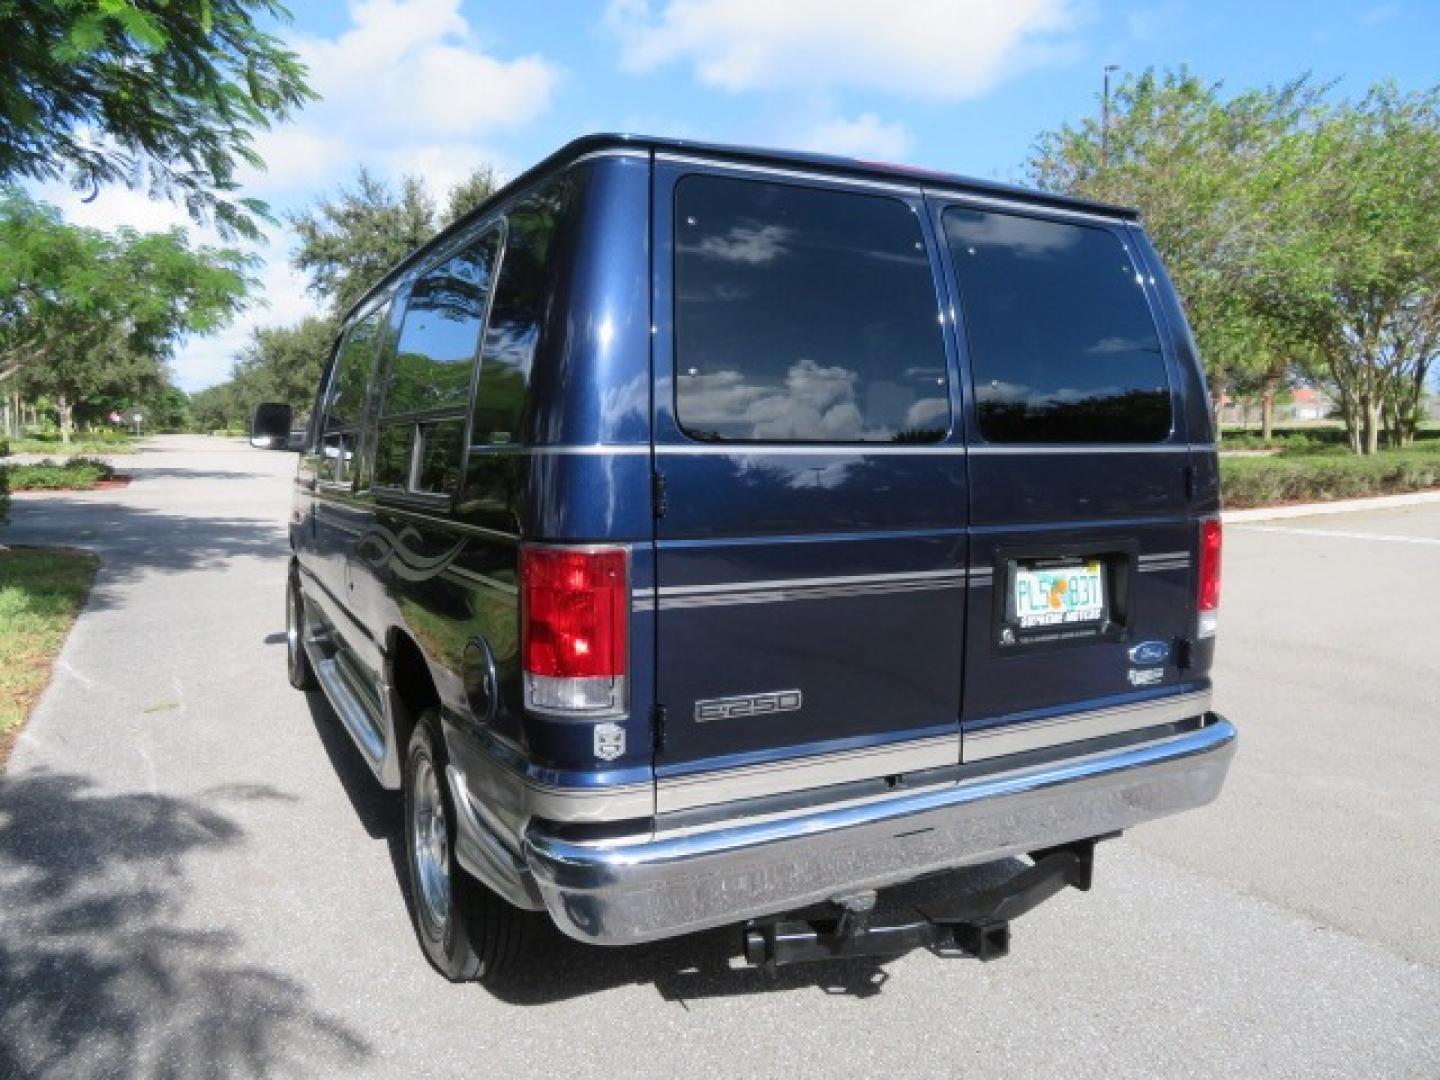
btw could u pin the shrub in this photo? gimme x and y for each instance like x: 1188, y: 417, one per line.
x: 98, y: 442
x: 1324, y: 476
x: 76, y: 473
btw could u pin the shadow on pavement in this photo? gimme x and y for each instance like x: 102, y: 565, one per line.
x: 99, y: 975
x: 132, y: 540
x: 556, y: 968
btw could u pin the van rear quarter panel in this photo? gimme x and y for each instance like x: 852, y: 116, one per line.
x: 582, y: 473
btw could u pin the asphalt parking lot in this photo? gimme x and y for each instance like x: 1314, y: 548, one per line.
x: 198, y: 877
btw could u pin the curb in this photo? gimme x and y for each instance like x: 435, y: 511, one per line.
x: 1339, y: 506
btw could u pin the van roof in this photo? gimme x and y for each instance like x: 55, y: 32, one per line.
x: 822, y: 163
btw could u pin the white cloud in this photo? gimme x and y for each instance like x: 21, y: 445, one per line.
x: 1377, y: 15
x: 413, y: 68
x: 441, y: 166
x: 113, y: 207
x: 1148, y: 23
x: 864, y: 136
x: 295, y: 157
x: 937, y: 49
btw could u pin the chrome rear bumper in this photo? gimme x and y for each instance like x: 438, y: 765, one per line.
x: 618, y: 892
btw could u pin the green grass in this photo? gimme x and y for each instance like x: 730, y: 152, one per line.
x: 95, y: 442
x: 1321, y: 477
x: 41, y: 592
x: 72, y: 474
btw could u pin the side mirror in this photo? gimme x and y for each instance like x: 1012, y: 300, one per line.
x: 270, y: 426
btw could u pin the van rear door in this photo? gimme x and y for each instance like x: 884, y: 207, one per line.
x: 1083, y: 542
x: 811, y: 550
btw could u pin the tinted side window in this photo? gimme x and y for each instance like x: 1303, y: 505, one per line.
x: 393, y: 448
x: 804, y: 315
x: 351, y: 375
x: 535, y: 234
x: 345, y: 398
x: 442, y: 446
x: 1062, y: 344
x: 435, y: 354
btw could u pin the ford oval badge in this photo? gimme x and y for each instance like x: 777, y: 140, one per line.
x: 1150, y: 652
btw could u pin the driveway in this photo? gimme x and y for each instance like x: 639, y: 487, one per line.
x: 198, y: 877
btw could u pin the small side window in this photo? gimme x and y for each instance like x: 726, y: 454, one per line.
x: 535, y: 244
x: 435, y: 354
x: 345, y: 399
x: 393, y: 450
x: 1062, y: 344
x: 420, y: 444
x: 442, y: 446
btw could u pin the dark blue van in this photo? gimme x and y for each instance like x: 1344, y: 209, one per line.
x: 703, y: 536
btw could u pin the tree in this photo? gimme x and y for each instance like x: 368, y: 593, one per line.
x: 349, y: 241
x: 86, y: 313
x: 284, y: 363
x: 1188, y: 158
x: 1354, y: 242
x: 160, y: 94
x: 470, y: 193
x: 218, y: 408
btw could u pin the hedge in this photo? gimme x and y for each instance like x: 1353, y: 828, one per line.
x: 1319, y: 478
x: 76, y: 474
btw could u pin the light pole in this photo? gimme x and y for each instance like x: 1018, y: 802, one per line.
x: 1105, y: 116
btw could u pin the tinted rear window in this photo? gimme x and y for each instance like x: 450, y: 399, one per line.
x: 804, y: 315
x: 1062, y: 344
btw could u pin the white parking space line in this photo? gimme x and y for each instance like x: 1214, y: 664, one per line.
x: 1341, y: 534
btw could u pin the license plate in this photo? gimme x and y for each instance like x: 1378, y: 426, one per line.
x: 1059, y: 595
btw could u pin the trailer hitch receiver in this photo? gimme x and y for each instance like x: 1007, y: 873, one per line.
x: 976, y: 925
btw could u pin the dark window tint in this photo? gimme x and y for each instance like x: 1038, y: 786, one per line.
x: 1062, y: 345
x: 804, y: 315
x: 350, y: 377
x: 392, y: 455
x: 435, y: 353
x: 441, y: 450
x: 534, y: 238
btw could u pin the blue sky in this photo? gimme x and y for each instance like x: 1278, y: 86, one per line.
x: 436, y: 87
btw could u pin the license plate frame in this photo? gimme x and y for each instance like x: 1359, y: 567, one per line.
x: 1104, y: 620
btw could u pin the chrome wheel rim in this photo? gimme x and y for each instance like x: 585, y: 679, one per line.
x: 430, y: 838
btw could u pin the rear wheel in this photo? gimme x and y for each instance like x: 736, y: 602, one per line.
x: 302, y: 675
x: 466, y: 930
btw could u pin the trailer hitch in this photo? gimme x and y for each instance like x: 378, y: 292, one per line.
x: 975, y: 925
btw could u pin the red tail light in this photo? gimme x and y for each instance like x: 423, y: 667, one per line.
x: 1208, y: 598
x: 575, y: 605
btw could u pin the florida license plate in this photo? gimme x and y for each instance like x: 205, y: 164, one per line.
x: 1059, y: 595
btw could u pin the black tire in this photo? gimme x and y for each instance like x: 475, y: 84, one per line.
x: 468, y: 933
x: 297, y: 660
